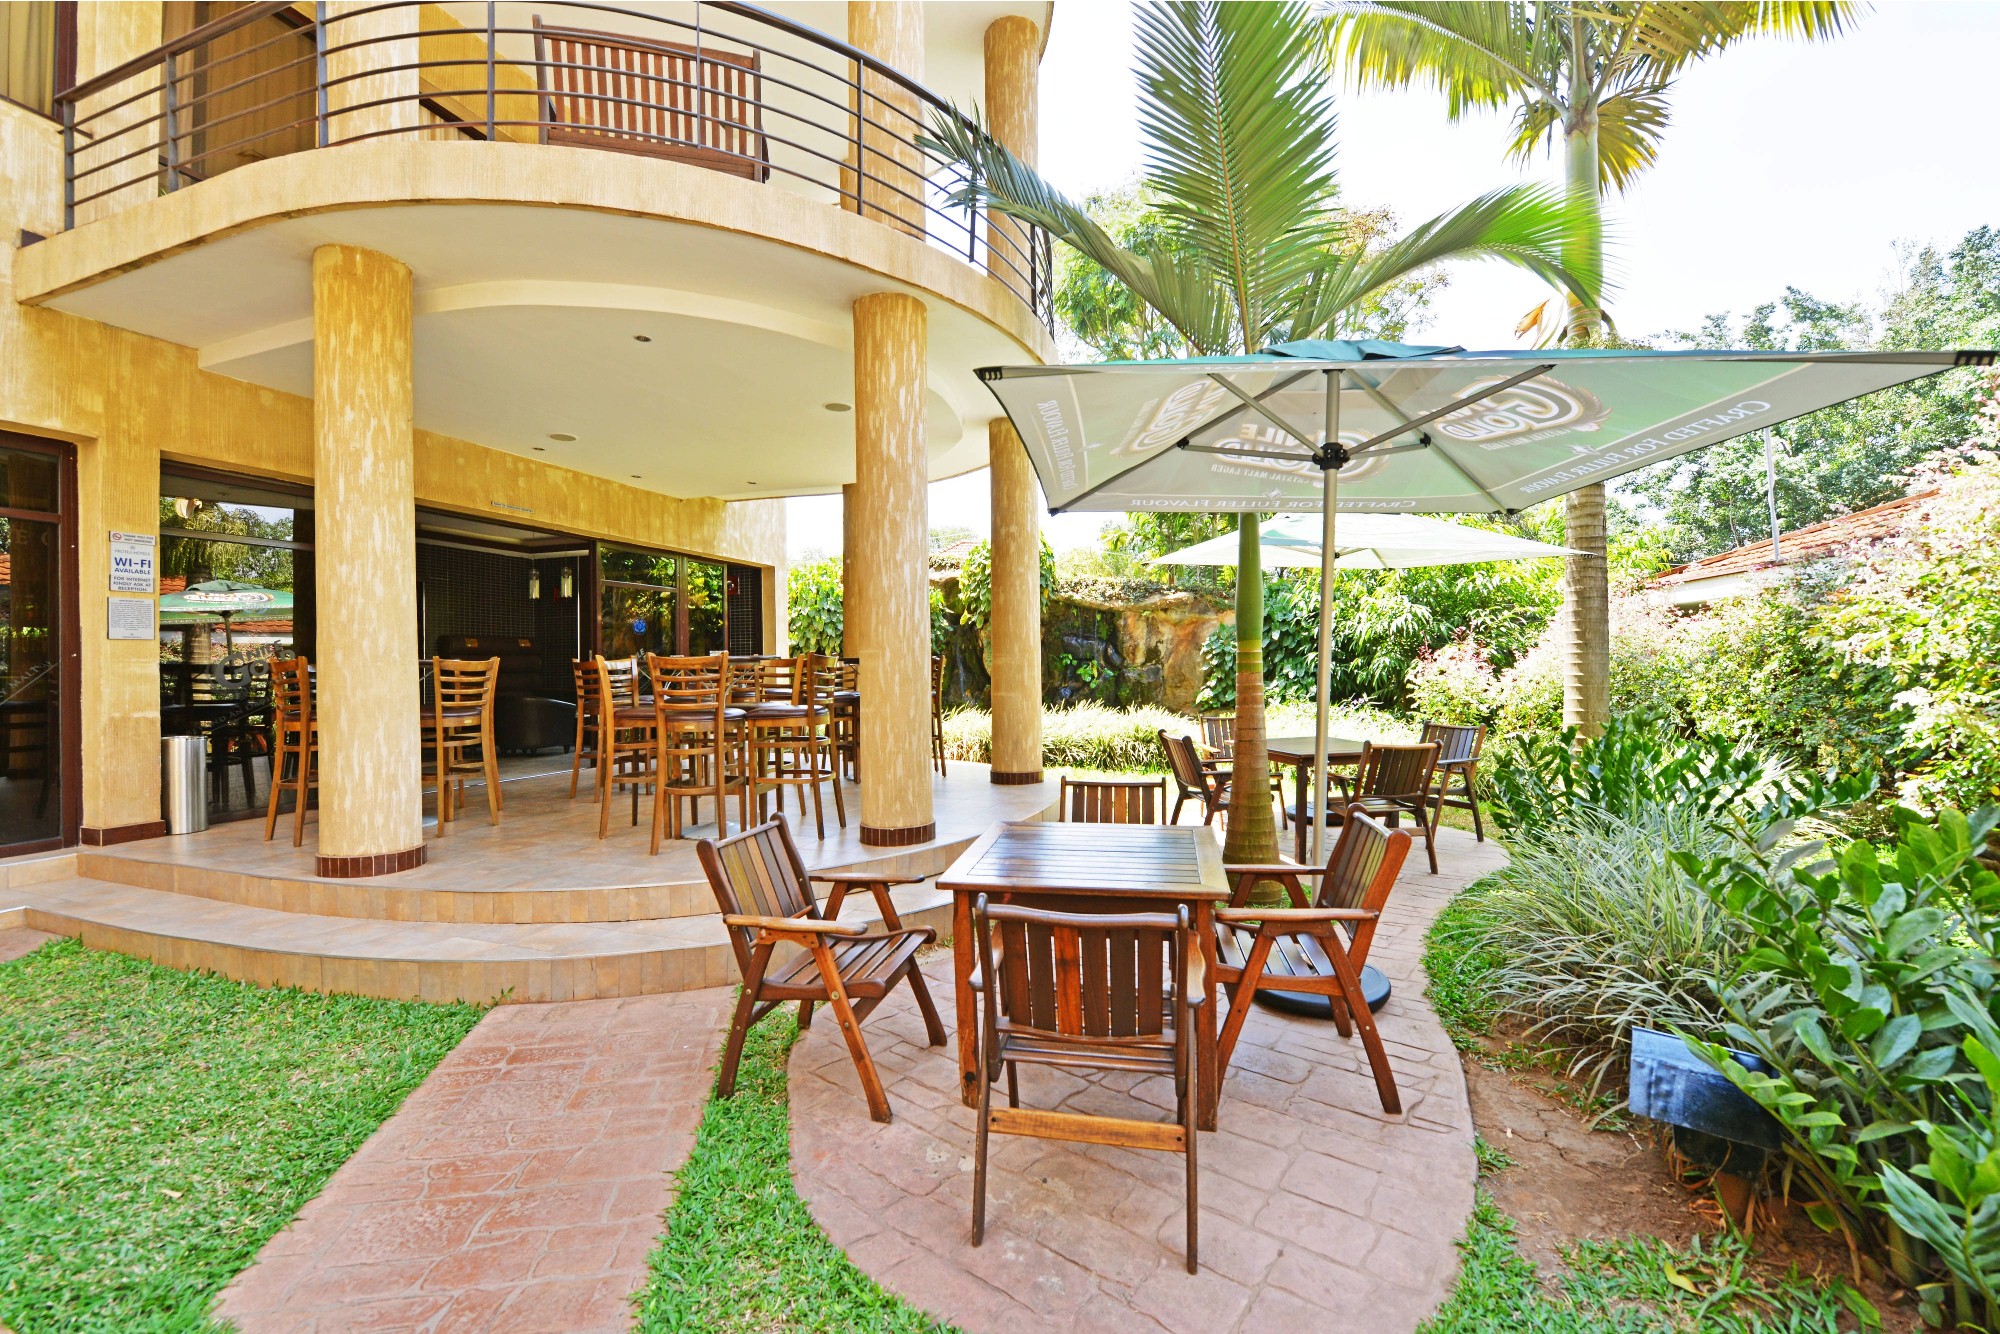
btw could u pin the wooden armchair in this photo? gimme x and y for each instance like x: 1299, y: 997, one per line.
x: 1112, y: 800
x: 1086, y: 991
x: 766, y: 898
x: 1396, y: 781
x: 1194, y: 780
x: 1458, y: 757
x: 1316, y: 946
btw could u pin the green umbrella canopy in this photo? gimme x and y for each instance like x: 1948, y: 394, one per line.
x: 1428, y: 430
x: 218, y: 598
x: 1369, y: 542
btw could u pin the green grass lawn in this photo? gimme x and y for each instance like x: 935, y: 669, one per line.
x: 742, y: 1253
x: 156, y: 1127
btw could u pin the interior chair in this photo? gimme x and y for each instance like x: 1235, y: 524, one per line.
x: 459, y: 721
x: 701, y: 743
x: 1319, y: 944
x: 627, y: 750
x: 1112, y: 800
x: 1195, y: 781
x: 294, y: 742
x: 1458, y: 758
x: 766, y: 899
x: 1079, y: 992
x: 846, y: 718
x: 588, y: 733
x: 788, y: 741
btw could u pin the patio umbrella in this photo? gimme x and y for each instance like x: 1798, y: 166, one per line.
x: 221, y: 599
x: 1369, y: 542
x: 1366, y: 426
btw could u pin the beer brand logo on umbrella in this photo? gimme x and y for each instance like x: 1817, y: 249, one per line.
x: 1524, y: 413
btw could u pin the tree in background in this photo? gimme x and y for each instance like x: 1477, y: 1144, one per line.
x: 1596, y: 78
x: 1855, y: 454
x: 1237, y: 120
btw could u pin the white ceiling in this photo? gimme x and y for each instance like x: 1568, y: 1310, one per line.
x: 526, y: 326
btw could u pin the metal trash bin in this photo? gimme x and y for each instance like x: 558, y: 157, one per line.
x: 184, y: 783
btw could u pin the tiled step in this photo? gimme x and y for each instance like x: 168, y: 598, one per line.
x: 433, y: 961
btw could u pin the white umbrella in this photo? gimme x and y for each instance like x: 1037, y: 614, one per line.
x: 1369, y: 542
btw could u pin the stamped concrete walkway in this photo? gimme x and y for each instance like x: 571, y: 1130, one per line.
x: 520, y: 1188
x: 1317, y: 1211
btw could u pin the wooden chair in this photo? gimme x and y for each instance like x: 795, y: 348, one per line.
x: 587, y: 730
x: 789, y: 743
x: 1194, y: 780
x: 1218, y: 738
x: 700, y: 743
x: 627, y: 752
x: 766, y: 898
x: 1112, y: 800
x: 1395, y: 781
x: 295, y: 743
x: 846, y: 718
x: 1319, y: 946
x: 1086, y: 991
x: 661, y: 99
x: 460, y: 719
x: 1458, y: 757
x: 937, y: 714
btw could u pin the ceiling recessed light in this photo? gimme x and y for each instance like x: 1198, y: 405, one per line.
x: 839, y: 407
x: 642, y: 338
x: 561, y: 437
x: 635, y: 476
x: 541, y: 449
x: 749, y: 484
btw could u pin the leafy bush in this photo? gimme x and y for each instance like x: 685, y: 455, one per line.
x: 1591, y: 928
x: 1868, y: 985
x: 813, y: 606
x: 1082, y: 736
x: 975, y: 583
x: 1456, y: 684
x: 1650, y: 663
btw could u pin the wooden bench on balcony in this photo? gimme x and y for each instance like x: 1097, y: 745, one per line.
x: 654, y: 98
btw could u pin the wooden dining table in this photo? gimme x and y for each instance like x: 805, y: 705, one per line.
x: 1090, y: 868
x: 1297, y: 751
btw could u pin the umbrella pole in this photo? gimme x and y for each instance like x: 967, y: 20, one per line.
x: 1329, y: 494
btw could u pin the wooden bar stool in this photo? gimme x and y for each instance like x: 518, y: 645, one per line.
x: 294, y: 743
x: 785, y: 734
x: 587, y: 729
x: 629, y: 747
x: 701, y: 743
x: 937, y: 714
x: 459, y: 719
x: 846, y: 715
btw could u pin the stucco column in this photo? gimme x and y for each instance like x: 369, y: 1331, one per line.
x: 370, y: 758
x: 397, y: 59
x: 1013, y: 75
x: 1015, y: 630
x: 1587, y: 615
x: 853, y: 558
x: 891, y: 180
x: 891, y: 526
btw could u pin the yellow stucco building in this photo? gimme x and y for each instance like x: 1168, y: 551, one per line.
x: 450, y: 323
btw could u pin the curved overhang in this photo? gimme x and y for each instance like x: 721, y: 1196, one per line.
x: 688, y: 328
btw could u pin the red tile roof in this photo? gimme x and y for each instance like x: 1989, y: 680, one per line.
x: 1815, y: 541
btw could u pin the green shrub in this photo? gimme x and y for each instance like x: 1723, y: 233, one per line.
x: 1456, y: 684
x: 813, y: 610
x: 975, y: 583
x: 1650, y: 664
x: 1096, y: 737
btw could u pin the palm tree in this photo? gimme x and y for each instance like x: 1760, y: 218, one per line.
x: 1236, y: 118
x: 1599, y: 76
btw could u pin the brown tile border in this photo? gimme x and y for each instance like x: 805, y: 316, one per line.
x: 105, y: 836
x: 898, y: 838
x: 1005, y: 778
x: 380, y: 863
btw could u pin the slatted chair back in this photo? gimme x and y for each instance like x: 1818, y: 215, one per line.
x: 756, y: 873
x: 657, y: 98
x: 1218, y: 733
x: 822, y: 676
x: 585, y: 672
x: 850, y: 673
x: 464, y: 683
x: 1360, y: 872
x: 779, y: 680
x: 291, y: 691
x: 1456, y: 744
x: 1184, y: 761
x: 937, y: 683
x: 1396, y: 772
x: 620, y: 674
x: 1112, y: 800
x: 690, y: 684
x: 1085, y: 975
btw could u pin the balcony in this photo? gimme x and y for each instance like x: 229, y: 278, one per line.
x: 729, y: 88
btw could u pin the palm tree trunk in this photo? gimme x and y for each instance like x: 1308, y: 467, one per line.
x: 1253, y: 831
x: 1586, y: 597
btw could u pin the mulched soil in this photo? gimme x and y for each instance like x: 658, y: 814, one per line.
x: 1572, y: 1182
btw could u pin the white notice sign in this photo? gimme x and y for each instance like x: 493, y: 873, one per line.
x: 132, y: 564
x: 131, y: 618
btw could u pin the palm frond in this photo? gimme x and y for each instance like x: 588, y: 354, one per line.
x: 1237, y: 128
x: 1479, y: 55
x: 1532, y: 227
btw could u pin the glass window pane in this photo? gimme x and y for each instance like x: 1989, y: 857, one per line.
x: 637, y: 620
x: 30, y: 681
x: 637, y: 567
x: 707, y: 600
x: 230, y: 509
x: 28, y: 54
x: 27, y: 479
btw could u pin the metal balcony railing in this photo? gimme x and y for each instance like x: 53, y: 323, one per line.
x: 728, y: 87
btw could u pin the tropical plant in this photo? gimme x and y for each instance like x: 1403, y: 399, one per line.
x: 1596, y: 77
x: 975, y: 584
x: 813, y: 609
x: 1236, y: 120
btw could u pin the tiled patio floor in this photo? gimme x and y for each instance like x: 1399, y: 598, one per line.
x: 521, y: 1188
x: 20, y: 940
x: 1317, y: 1212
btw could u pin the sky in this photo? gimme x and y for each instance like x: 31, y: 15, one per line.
x: 1784, y: 164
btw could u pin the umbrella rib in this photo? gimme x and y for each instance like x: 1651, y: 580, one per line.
x: 1222, y: 417
x: 1423, y: 441
x: 1265, y: 412
x: 1454, y: 406
x: 1413, y: 423
x: 1246, y: 454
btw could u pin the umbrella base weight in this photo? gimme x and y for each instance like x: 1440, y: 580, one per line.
x: 1374, y: 989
